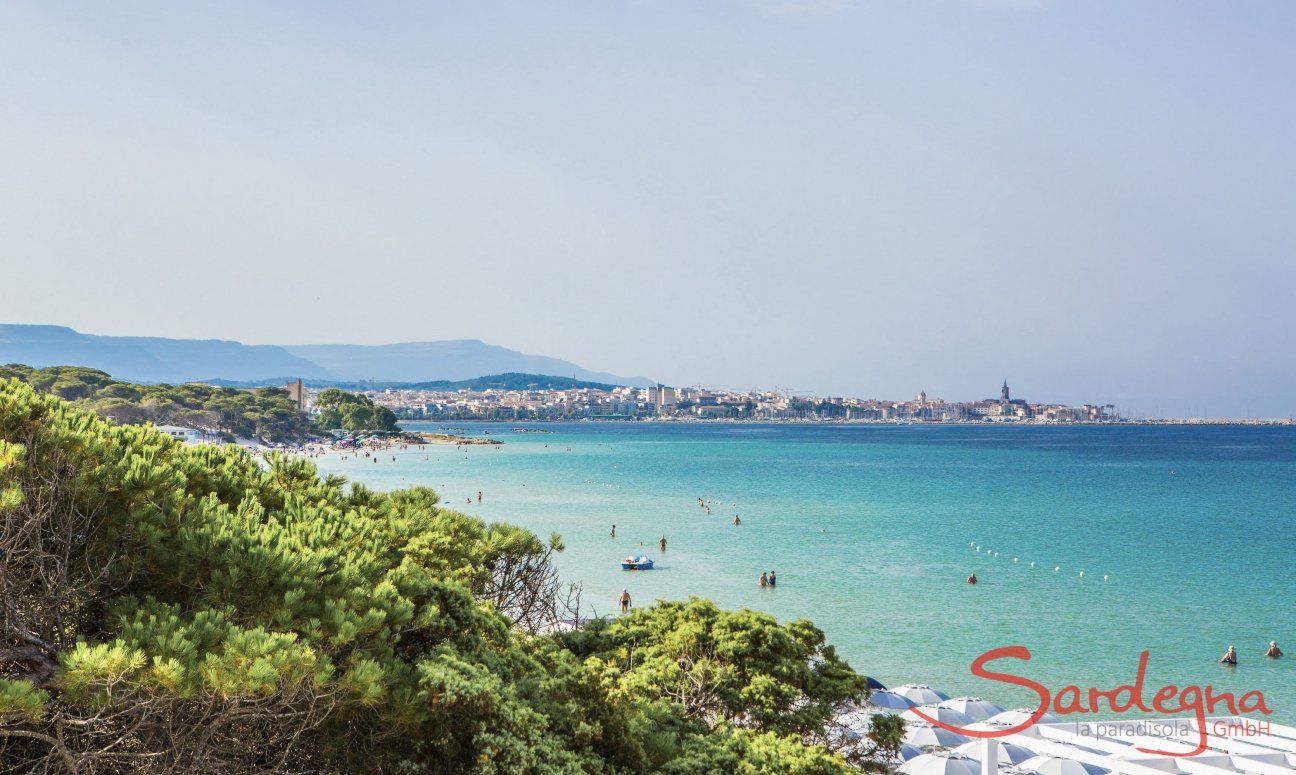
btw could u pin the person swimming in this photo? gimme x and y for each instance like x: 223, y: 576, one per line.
x: 764, y: 579
x: 1230, y: 657
x: 1273, y: 652
x: 972, y: 579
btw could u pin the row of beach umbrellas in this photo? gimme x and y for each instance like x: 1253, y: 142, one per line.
x: 956, y: 763
x: 928, y: 749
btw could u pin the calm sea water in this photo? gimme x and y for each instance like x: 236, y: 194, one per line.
x: 869, y: 529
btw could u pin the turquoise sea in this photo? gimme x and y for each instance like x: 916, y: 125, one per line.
x: 869, y: 529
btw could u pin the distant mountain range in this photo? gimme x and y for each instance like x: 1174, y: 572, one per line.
x: 509, y: 381
x: 155, y: 359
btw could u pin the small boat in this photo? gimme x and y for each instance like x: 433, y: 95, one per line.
x: 636, y: 563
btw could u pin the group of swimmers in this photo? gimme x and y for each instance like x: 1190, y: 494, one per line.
x: 768, y: 579
x: 1230, y: 657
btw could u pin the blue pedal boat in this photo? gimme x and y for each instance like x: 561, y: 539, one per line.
x: 636, y: 563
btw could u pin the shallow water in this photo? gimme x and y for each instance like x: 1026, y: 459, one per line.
x: 869, y: 529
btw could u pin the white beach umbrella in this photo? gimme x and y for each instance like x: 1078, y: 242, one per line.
x: 1056, y: 765
x: 1009, y: 753
x: 929, y: 736
x: 1017, y: 715
x: 844, y: 736
x: 858, y: 719
x: 890, y: 701
x: 1167, y: 763
x: 908, y: 752
x: 999, y: 726
x: 974, y: 708
x: 941, y: 714
x: 940, y: 763
x: 921, y: 694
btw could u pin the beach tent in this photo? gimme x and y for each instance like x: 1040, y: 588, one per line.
x: 921, y: 694
x: 1009, y: 753
x: 889, y: 700
x: 1056, y: 765
x: 940, y: 763
x: 974, y: 708
x: 941, y: 714
x: 928, y: 736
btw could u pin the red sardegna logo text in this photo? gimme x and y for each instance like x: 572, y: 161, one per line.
x: 1169, y: 699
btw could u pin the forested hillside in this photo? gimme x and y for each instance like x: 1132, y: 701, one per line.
x: 264, y: 413
x: 172, y: 608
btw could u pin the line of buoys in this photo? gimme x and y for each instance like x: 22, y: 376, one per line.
x: 1056, y: 568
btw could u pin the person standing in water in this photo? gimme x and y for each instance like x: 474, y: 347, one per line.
x: 773, y: 579
x: 479, y: 496
x: 972, y: 578
x: 764, y: 579
x: 736, y: 520
x: 613, y: 533
x: 1273, y: 652
x: 625, y: 601
x: 662, y: 543
x: 1230, y: 657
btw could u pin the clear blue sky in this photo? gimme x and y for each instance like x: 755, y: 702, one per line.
x: 1095, y: 200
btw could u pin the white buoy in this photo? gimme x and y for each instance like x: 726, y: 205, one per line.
x: 971, y: 543
x: 1104, y: 577
x: 1081, y: 573
x: 1058, y: 568
x: 1014, y: 559
x: 1032, y: 565
x: 996, y: 554
x: 978, y: 547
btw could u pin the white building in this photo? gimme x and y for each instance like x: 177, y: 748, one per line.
x: 187, y: 435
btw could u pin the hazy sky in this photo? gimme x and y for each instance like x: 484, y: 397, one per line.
x: 1096, y: 200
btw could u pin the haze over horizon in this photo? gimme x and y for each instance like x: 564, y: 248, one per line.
x: 1093, y: 200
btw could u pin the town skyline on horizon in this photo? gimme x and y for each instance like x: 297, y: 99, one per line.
x: 528, y: 364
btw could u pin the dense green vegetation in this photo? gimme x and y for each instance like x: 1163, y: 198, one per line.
x: 265, y: 413
x: 352, y: 412
x: 172, y: 608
